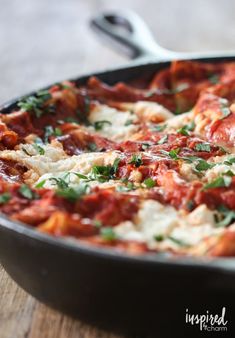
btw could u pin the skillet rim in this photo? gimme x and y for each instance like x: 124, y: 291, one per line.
x: 165, y: 260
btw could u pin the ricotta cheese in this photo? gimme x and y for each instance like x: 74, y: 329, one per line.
x: 55, y: 163
x: 120, y: 126
x: 163, y: 227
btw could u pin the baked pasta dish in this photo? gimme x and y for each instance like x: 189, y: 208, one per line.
x: 144, y: 167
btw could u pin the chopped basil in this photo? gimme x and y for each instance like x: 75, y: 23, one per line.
x: 136, y: 160
x: 225, y: 111
x: 35, y: 103
x: 183, y: 131
x: 26, y: 192
x: 97, y: 223
x: 222, y: 181
x: 229, y: 173
x: 150, y: 93
x: 50, y: 131
x: 163, y: 139
x: 37, y: 146
x: 92, y: 146
x: 145, y: 146
x: 186, y: 128
x: 87, y: 103
x: 190, y: 205
x: 71, y: 119
x: 224, y: 107
x: 128, y: 122
x: 159, y: 238
x: 203, y: 165
x: 178, y: 241
x: 203, y: 147
x: 149, y: 183
x: 214, y: 78
x: 177, y: 111
x: 83, y: 177
x: 190, y: 159
x: 159, y: 127
x: 99, y: 125
x: 108, y: 234
x: 103, y: 173
x: 130, y: 186
x: 26, y: 151
x: 41, y: 184
x: 64, y: 85
x: 82, y: 114
x: 227, y: 216
x: 73, y: 194
x: 59, y: 182
x: 5, y: 197
x: 116, y: 165
x: 230, y: 161
x: 172, y: 154
x: 223, y: 150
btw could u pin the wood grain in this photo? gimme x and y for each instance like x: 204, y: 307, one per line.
x: 46, y: 41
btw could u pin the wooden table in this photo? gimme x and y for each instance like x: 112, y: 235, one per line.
x: 46, y: 41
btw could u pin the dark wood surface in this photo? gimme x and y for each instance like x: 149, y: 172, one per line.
x: 46, y: 41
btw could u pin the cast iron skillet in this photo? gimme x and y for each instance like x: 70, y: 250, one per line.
x: 143, y: 294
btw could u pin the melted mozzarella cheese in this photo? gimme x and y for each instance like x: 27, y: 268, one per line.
x: 178, y: 121
x: 55, y: 163
x: 151, y: 112
x: 155, y: 220
x: 121, y: 123
x: 220, y: 167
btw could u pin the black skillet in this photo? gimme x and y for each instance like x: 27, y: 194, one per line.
x: 144, y: 295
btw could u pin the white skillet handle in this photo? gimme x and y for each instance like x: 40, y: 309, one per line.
x: 128, y: 32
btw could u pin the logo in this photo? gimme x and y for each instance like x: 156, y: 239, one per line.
x: 208, y: 321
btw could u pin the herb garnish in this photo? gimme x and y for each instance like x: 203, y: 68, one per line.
x: 160, y: 238
x: 103, y: 173
x: 203, y: 147
x: 71, y: 120
x: 224, y: 107
x: 99, y: 125
x: 159, y: 127
x: 128, y: 122
x: 26, y: 151
x: 136, y: 160
x: 227, y: 214
x: 219, y: 182
x: 50, y: 131
x: 92, y: 146
x: 172, y: 154
x: 60, y: 182
x: 214, y: 78
x: 26, y: 192
x: 38, y: 146
x: 75, y: 193
x: 203, y: 165
x: 186, y: 128
x: 5, y: 197
x: 35, y: 103
x: 230, y: 161
x: 145, y: 146
x: 40, y: 184
x: 178, y: 241
x: 163, y: 139
x: 108, y: 234
x: 130, y: 186
x: 149, y: 183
